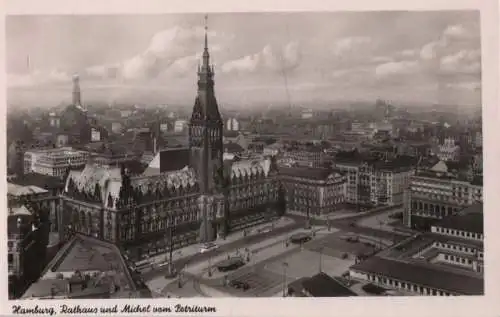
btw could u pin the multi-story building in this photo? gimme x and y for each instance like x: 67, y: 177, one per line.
x: 313, y: 191
x: 54, y: 162
x: 189, y: 194
x: 449, y: 150
x: 447, y: 261
x: 28, y: 226
x: 372, y: 181
x: 305, y: 155
x: 40, y: 192
x: 440, y: 191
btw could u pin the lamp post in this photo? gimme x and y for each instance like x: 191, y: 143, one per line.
x: 380, y: 228
x: 321, y: 259
x: 210, y: 266
x: 285, y: 266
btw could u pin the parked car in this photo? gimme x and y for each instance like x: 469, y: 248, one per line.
x: 353, y: 239
x: 208, y: 247
x: 239, y: 285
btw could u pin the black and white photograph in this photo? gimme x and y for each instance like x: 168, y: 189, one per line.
x: 244, y: 155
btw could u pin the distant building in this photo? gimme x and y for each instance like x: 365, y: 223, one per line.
x: 54, y: 120
x: 313, y: 191
x: 440, y: 191
x: 307, y: 114
x: 232, y: 124
x: 478, y: 139
x: 116, y: 127
x: 305, y: 155
x: 88, y: 268
x: 180, y: 125
x: 54, y: 162
x: 449, y: 150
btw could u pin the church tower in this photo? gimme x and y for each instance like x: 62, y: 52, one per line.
x: 76, y: 91
x: 205, y: 143
x: 206, y: 127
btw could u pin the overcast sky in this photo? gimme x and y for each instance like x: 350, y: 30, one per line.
x: 409, y: 56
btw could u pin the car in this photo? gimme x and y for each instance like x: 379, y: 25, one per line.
x: 208, y: 247
x: 239, y: 285
x: 266, y: 229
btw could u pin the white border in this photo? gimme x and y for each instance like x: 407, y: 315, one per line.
x: 374, y: 306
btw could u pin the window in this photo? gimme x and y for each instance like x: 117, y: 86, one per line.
x: 10, y: 258
x: 446, y: 256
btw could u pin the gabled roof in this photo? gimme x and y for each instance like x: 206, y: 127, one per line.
x: 321, y: 285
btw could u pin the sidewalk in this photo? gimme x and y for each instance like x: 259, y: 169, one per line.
x: 193, y: 249
x: 344, y: 213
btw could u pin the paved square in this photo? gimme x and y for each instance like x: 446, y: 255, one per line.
x: 307, y: 263
x: 334, y: 246
x: 262, y: 283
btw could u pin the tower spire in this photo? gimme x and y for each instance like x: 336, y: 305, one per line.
x: 206, y: 55
x: 206, y: 32
x: 76, y: 90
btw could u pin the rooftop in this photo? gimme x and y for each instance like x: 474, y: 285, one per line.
x: 469, y: 220
x: 320, y: 285
x: 38, y: 180
x: 426, y: 275
x: 97, y: 264
x: 23, y: 190
x: 169, y: 160
x: 308, y: 172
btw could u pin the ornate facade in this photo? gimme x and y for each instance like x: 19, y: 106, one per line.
x: 192, y: 199
x: 314, y: 191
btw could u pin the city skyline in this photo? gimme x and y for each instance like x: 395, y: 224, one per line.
x: 154, y: 58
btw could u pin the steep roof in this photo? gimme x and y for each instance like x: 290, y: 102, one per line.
x: 323, y: 285
x: 168, y: 160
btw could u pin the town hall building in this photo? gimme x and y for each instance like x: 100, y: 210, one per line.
x: 186, y: 195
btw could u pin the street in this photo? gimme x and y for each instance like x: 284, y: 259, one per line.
x: 264, y: 276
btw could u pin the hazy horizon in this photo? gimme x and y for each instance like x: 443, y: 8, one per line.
x: 407, y: 57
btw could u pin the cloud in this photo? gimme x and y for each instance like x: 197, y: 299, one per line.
x: 431, y: 50
x: 269, y: 59
x: 38, y: 78
x: 396, y: 68
x: 452, y: 37
x: 470, y: 86
x: 463, y: 61
x: 349, y: 44
x: 457, y: 31
x: 168, y: 50
x: 407, y: 53
x: 381, y: 59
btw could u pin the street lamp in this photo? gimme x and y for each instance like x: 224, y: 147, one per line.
x: 321, y: 260
x: 210, y: 266
x: 285, y: 266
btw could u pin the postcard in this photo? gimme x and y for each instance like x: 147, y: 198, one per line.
x: 250, y: 160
